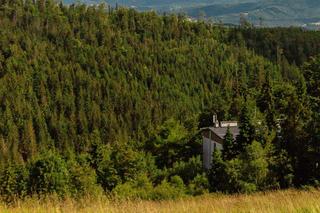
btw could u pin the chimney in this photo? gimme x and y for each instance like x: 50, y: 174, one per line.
x: 215, y: 121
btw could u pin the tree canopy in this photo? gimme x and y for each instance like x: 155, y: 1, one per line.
x: 95, y: 98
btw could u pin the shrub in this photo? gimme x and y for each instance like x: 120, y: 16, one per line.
x: 246, y: 173
x: 199, y: 185
x: 83, y: 179
x: 121, y: 163
x: 141, y: 188
x: 254, y: 165
x: 13, y: 182
x: 187, y: 170
x: 245, y: 187
x: 169, y: 190
x: 217, y: 174
x: 49, y: 174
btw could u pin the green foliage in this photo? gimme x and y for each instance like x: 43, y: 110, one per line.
x: 170, y: 190
x: 281, y: 170
x: 216, y: 175
x: 254, y: 165
x: 266, y: 104
x: 118, y: 95
x: 293, y: 45
x: 247, y: 130
x: 246, y: 173
x: 121, y: 163
x: 187, y: 170
x: 310, y: 158
x: 107, y: 174
x: 13, y: 182
x: 229, y: 146
x: 49, y: 174
x: 83, y: 179
x: 142, y: 188
x: 84, y: 74
x: 199, y: 185
x: 311, y: 72
x: 172, y: 143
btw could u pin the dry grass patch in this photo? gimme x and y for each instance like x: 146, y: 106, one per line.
x: 280, y: 201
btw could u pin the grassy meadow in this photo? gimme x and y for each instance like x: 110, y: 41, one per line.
x: 280, y: 201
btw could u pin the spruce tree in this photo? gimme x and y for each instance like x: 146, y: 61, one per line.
x: 228, y: 151
x: 266, y: 103
x: 216, y: 175
x: 247, y: 130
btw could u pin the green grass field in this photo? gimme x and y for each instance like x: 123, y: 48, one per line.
x: 280, y: 201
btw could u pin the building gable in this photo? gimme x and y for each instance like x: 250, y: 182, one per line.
x: 213, y: 138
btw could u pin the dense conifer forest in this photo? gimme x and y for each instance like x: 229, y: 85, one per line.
x: 97, y: 100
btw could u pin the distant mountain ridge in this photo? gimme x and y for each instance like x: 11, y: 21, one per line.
x: 272, y: 13
x: 268, y: 12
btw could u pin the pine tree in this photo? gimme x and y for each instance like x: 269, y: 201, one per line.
x: 28, y: 145
x: 228, y: 151
x: 254, y: 164
x: 247, y: 130
x: 266, y: 103
x: 4, y: 152
x: 216, y: 175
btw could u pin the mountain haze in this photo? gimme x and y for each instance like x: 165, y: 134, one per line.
x: 272, y: 13
x: 269, y: 13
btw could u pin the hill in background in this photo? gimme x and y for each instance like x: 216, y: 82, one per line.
x: 269, y: 13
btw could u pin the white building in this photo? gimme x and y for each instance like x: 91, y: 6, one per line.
x: 213, y: 138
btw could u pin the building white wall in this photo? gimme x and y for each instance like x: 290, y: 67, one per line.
x: 229, y: 123
x: 208, y: 148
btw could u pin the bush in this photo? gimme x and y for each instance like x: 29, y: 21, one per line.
x: 217, y: 174
x: 141, y: 188
x: 281, y: 170
x: 83, y: 179
x: 245, y: 187
x: 233, y: 176
x: 169, y: 190
x: 13, y: 182
x: 49, y: 175
x: 187, y: 170
x: 246, y: 173
x: 254, y: 164
x: 199, y: 185
x: 121, y: 163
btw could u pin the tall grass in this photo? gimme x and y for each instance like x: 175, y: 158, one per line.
x: 280, y: 201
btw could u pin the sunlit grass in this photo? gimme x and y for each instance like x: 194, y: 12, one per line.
x: 280, y: 201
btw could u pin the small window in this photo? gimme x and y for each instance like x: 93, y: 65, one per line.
x: 215, y: 146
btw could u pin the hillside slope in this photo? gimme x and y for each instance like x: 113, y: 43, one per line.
x: 115, y: 75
